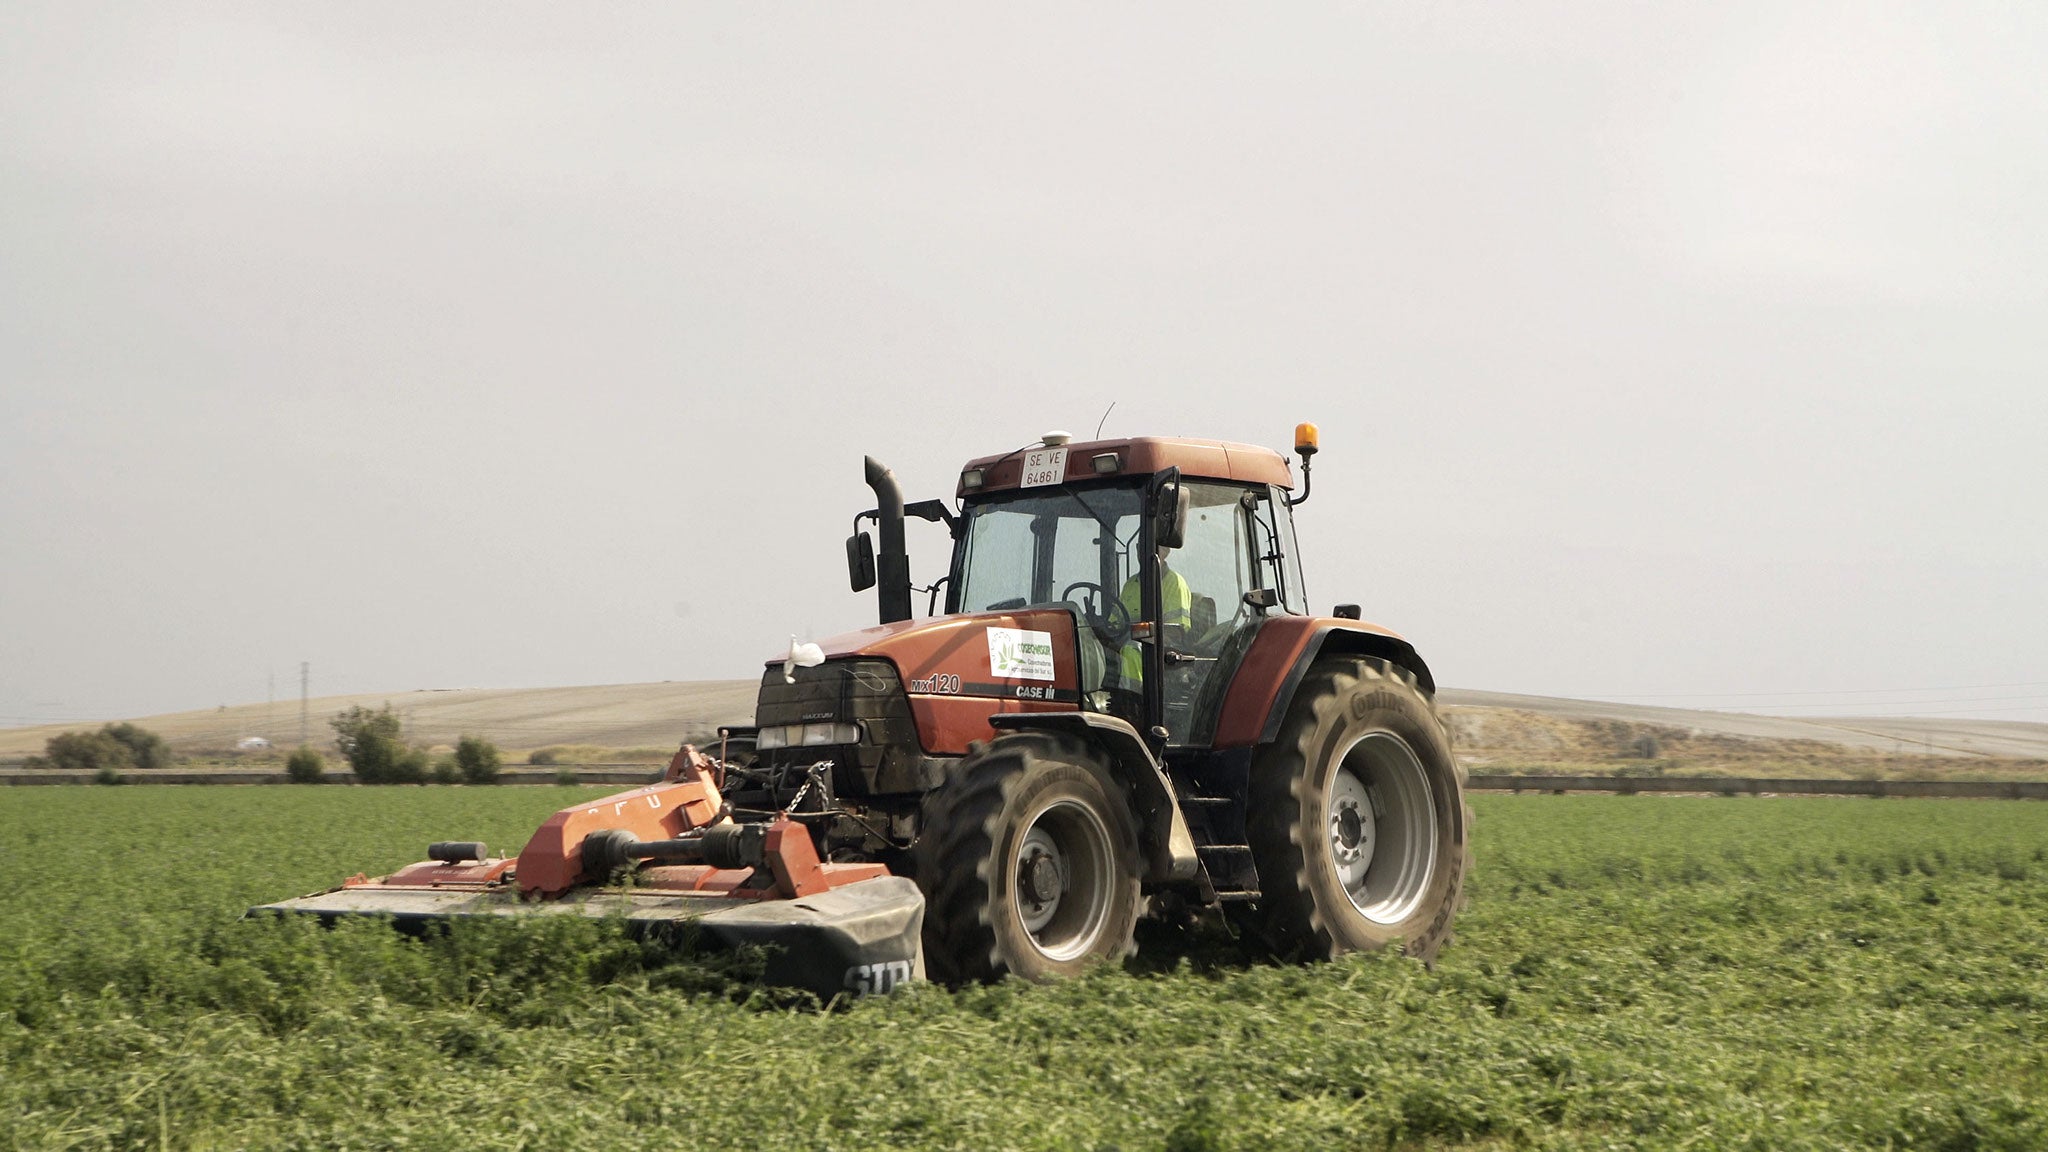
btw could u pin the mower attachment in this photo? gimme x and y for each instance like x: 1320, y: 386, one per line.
x: 829, y: 928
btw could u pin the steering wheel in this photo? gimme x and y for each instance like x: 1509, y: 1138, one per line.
x: 1113, y: 624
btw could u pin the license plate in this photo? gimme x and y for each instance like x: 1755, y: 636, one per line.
x: 1044, y: 466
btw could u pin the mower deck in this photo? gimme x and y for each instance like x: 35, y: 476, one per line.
x: 832, y: 928
x: 858, y: 939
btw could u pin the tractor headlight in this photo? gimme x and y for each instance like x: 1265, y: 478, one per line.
x: 807, y: 735
x: 817, y: 734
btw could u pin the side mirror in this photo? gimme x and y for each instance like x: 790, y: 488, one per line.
x: 1345, y: 612
x: 860, y: 561
x: 1171, y: 530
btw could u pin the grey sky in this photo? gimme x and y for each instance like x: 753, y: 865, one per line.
x: 1658, y: 349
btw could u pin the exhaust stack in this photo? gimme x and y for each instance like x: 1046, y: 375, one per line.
x: 892, y: 562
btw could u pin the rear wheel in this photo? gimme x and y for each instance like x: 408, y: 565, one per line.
x: 1028, y: 860
x: 1357, y: 817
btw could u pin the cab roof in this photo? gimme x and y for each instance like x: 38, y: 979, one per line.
x: 1138, y: 456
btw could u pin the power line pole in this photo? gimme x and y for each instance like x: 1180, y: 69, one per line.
x: 305, y: 676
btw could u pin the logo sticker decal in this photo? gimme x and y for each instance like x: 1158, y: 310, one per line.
x: 1020, y: 654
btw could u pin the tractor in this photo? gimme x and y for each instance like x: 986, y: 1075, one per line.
x: 1126, y: 707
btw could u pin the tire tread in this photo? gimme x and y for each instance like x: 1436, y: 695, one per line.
x: 962, y: 824
x: 1286, y: 918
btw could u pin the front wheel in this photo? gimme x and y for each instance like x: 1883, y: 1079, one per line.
x: 1357, y: 817
x: 1028, y: 859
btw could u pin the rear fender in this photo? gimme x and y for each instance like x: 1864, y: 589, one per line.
x: 1280, y: 656
x: 1162, y: 831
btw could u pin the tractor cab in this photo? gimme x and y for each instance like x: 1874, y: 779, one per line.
x: 1167, y: 553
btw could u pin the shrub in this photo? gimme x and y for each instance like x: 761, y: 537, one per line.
x: 409, y: 765
x: 374, y: 756
x: 478, y: 759
x: 88, y: 752
x: 567, y: 778
x: 354, y: 725
x: 305, y: 766
x: 371, y: 743
x: 146, y: 748
x: 544, y: 756
x: 445, y: 771
x: 108, y: 775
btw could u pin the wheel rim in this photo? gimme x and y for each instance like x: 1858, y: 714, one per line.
x: 1061, y: 876
x: 1381, y: 827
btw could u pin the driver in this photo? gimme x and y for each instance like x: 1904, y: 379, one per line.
x: 1176, y: 610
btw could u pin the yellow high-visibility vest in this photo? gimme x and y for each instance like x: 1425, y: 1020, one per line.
x: 1176, y: 608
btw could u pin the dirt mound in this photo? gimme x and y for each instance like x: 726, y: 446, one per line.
x: 1514, y: 732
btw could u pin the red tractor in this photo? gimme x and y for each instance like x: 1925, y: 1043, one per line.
x: 1127, y: 705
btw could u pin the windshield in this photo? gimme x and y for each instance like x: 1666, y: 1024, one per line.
x: 1035, y: 546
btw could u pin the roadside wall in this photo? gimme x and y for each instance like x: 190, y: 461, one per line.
x: 1624, y: 785
x: 585, y: 774
x: 1732, y: 786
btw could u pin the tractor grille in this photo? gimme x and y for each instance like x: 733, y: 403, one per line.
x: 864, y: 693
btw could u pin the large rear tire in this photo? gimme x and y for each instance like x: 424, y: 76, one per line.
x: 1356, y: 818
x: 1028, y: 858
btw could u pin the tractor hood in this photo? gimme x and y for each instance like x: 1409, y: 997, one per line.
x: 960, y: 670
x: 1027, y: 654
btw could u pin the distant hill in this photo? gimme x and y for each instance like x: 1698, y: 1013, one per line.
x: 608, y: 715
x: 1491, y: 728
x: 1505, y: 720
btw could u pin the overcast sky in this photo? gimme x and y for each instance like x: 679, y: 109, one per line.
x: 1688, y: 353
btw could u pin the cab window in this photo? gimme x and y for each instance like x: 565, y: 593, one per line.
x: 1279, y: 559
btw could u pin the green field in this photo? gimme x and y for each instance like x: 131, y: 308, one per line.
x: 1631, y: 972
